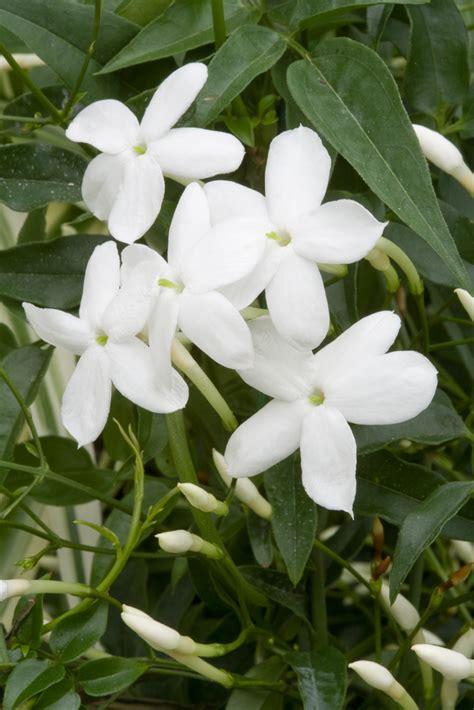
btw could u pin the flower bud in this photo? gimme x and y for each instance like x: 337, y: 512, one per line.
x: 201, y: 499
x: 178, y: 542
x: 14, y: 588
x: 378, y: 260
x: 467, y: 301
x: 442, y: 153
x: 380, y: 678
x: 157, y: 635
x: 451, y: 664
x: 245, y: 490
x: 402, y: 610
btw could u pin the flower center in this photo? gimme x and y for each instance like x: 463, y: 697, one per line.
x: 316, y: 398
x: 166, y: 283
x: 281, y: 237
x: 102, y: 340
x: 139, y: 149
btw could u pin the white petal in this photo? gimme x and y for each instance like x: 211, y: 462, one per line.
x: 190, y: 223
x: 227, y: 253
x: 278, y: 370
x: 211, y: 322
x: 133, y: 374
x: 297, y: 302
x: 296, y: 175
x: 161, y: 331
x: 102, y: 182
x: 126, y: 314
x: 107, y: 125
x: 386, y: 389
x: 370, y: 336
x: 171, y: 99
x: 137, y: 255
x: 244, y: 291
x: 101, y: 283
x: 328, y: 459
x: 339, y: 232
x: 196, y: 153
x: 139, y: 200
x: 230, y: 200
x: 86, y: 400
x: 269, y: 436
x: 59, y: 328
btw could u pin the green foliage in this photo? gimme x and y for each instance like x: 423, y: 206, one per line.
x: 321, y: 678
x: 76, y: 634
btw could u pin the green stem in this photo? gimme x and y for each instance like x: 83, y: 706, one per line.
x: 318, y: 601
x: 24, y: 119
x: 218, y: 21
x: 394, y: 252
x: 341, y: 561
x: 35, y: 90
x: 87, y: 58
x: 451, y: 344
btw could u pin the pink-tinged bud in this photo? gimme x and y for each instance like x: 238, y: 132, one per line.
x: 442, y: 153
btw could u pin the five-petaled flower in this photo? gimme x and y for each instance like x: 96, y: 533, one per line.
x: 298, y: 232
x: 352, y: 379
x: 124, y: 185
x: 104, y: 336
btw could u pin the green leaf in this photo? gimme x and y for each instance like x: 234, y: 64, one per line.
x: 294, y: 516
x: 49, y: 274
x: 392, y: 489
x: 34, y: 227
x: 438, y: 423
x: 75, y: 464
x: 29, y: 678
x: 26, y: 367
x: 60, y: 33
x: 76, y: 634
x: 260, y: 536
x: 423, y: 525
x: 32, y: 175
x: 7, y: 341
x: 142, y: 11
x: 258, y: 698
x: 60, y: 696
x: 248, y: 52
x: 109, y: 675
x: 371, y: 130
x: 186, y: 24
x: 322, y: 678
x: 437, y: 72
x: 276, y: 586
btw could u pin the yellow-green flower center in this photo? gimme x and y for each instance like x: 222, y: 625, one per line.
x: 316, y: 398
x: 102, y: 339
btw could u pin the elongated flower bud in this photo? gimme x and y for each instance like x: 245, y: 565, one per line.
x: 449, y: 687
x: 467, y: 301
x: 451, y: 664
x: 380, y: 678
x: 157, y: 635
x: 14, y: 588
x: 202, y: 500
x: 442, y: 153
x: 245, y: 490
x: 178, y: 542
x: 402, y: 610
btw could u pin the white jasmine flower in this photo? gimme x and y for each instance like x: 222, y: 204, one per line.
x: 104, y: 336
x: 467, y: 301
x: 451, y: 664
x: 124, y: 185
x: 315, y: 396
x: 183, y: 293
x: 442, y: 153
x: 298, y: 232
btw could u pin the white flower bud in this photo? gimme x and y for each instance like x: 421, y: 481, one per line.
x: 202, y: 500
x: 245, y: 490
x: 402, y: 610
x: 465, y: 644
x: 14, y: 588
x: 157, y: 635
x: 450, y: 664
x: 178, y: 542
x: 442, y: 153
x: 467, y: 301
x: 380, y: 678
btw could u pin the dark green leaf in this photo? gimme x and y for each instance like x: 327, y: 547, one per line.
x: 438, y: 423
x: 422, y: 526
x: 371, y: 130
x: 392, y: 488
x: 60, y: 33
x: 322, y: 678
x: 7, y: 341
x: 49, y: 274
x: 109, y: 675
x: 276, y: 586
x: 437, y: 72
x: 257, y: 698
x: 32, y: 175
x: 142, y: 11
x: 186, y: 24
x: 34, y: 227
x: 260, y: 536
x: 294, y: 516
x: 248, y: 52
x: 29, y: 678
x: 60, y: 696
x: 76, y: 634
x: 26, y: 367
